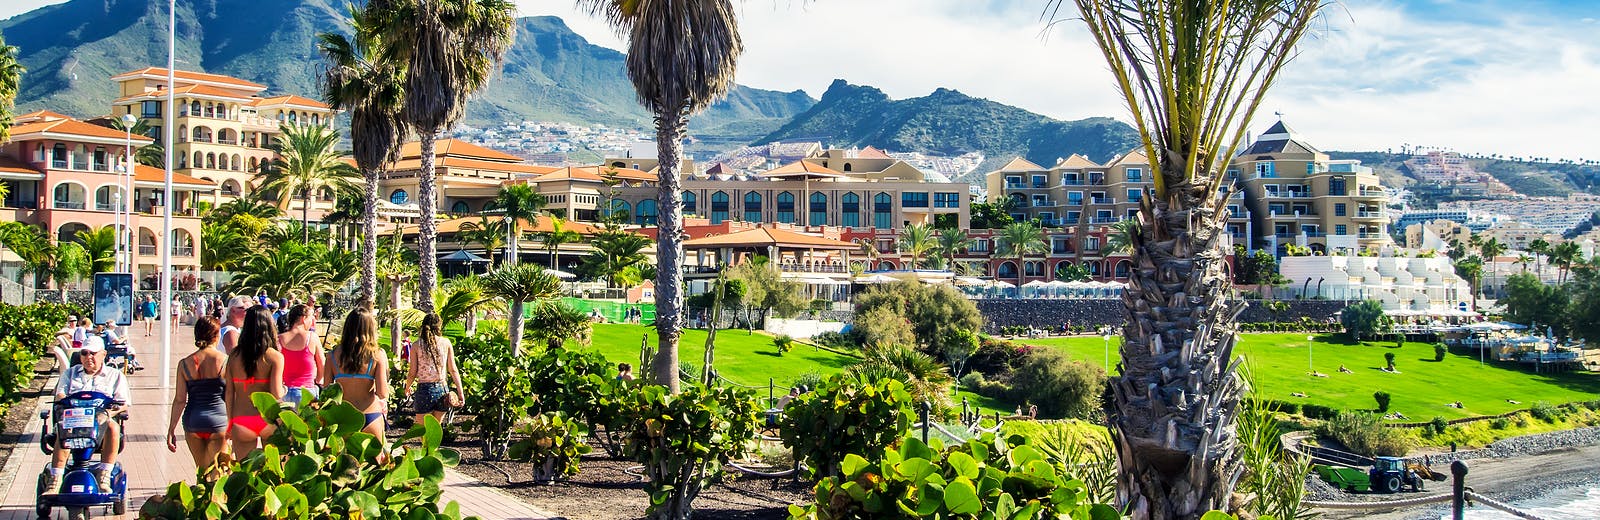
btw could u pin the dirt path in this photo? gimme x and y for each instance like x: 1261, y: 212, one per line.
x: 1507, y: 480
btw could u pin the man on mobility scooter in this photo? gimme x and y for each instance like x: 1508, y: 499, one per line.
x: 88, y: 414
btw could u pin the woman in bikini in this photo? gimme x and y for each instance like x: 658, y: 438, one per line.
x: 432, y: 358
x: 361, y: 369
x: 302, y: 356
x: 198, y: 402
x: 255, y: 365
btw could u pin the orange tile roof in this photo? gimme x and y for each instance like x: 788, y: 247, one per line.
x: 142, y: 173
x: 872, y: 153
x: 543, y: 224
x: 461, y: 162
x: 73, y: 127
x: 290, y: 99
x: 443, y: 147
x: 768, y: 237
x: 199, y: 90
x: 38, y: 115
x: 1020, y: 164
x: 11, y: 165
x: 190, y: 76
x: 595, y: 174
x: 800, y: 167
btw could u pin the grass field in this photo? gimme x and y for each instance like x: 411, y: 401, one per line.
x: 745, y: 358
x: 1422, y: 389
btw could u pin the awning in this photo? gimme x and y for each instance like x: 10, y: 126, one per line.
x: 463, y: 256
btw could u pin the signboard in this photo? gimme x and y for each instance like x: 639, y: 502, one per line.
x: 113, y: 298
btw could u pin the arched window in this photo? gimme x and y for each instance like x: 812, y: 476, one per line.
x: 1061, y: 269
x: 1124, y: 269
x: 618, y: 209
x: 886, y: 265
x: 316, y: 119
x: 399, y: 197
x: 238, y: 162
x: 883, y: 211
x: 1006, y: 270
x: 460, y: 207
x: 293, y: 117
x: 230, y: 187
x: 69, y: 232
x: 183, y: 133
x: 182, y: 243
x: 58, y: 156
x: 147, y: 242
x: 752, y: 207
x: 106, y: 198
x: 199, y: 134
x: 69, y: 195
x: 850, y: 210
x: 689, y: 207
x: 818, y: 208
x: 194, y: 109
x: 211, y: 161
x: 719, y: 207
x: 210, y: 110
x: 786, y: 208
x: 645, y: 213
x: 619, y: 164
x: 251, y: 164
x: 199, y: 160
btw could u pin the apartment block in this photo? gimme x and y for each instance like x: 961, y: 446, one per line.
x: 1297, y: 195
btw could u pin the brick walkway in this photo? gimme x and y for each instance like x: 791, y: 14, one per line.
x: 151, y: 468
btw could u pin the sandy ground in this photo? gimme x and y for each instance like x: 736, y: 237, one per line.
x: 1506, y: 480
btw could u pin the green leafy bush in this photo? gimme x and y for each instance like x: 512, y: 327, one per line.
x: 983, y: 478
x: 845, y: 416
x: 1364, y: 319
x: 26, y: 333
x: 1388, y: 359
x: 682, y: 440
x: 1317, y: 411
x: 1061, y: 387
x: 552, y: 443
x: 1439, y: 351
x: 1499, y: 423
x: 1365, y: 433
x: 1382, y: 398
x: 835, y: 340
x: 1436, y: 426
x: 784, y: 343
x: 972, y: 381
x: 1546, y: 412
x: 499, y: 390
x: 320, y: 465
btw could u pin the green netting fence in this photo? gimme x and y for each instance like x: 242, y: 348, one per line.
x: 612, y: 311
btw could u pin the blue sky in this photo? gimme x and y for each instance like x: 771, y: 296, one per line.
x: 1514, y: 77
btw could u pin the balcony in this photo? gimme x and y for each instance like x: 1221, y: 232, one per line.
x: 1049, y: 222
x: 1371, y: 214
x: 59, y: 164
x: 1316, y: 234
x: 1372, y: 236
x: 229, y: 142
x: 1043, y: 203
x: 1103, y: 220
x: 1102, y: 200
x: 1285, y: 235
x: 98, y: 206
x: 187, y: 251
x: 1286, y: 194
x: 1013, y: 185
x: 147, y: 250
x: 67, y: 204
x: 1071, y: 182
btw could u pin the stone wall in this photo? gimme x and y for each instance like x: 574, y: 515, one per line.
x: 1054, y: 313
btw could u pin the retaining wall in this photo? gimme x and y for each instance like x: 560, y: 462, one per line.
x: 1054, y: 313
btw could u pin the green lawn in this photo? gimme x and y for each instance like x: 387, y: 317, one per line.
x: 1421, y: 390
x: 745, y: 358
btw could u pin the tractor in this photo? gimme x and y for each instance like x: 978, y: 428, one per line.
x: 1391, y: 475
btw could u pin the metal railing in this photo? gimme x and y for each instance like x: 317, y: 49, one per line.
x: 68, y: 204
x: 183, y: 251
x: 145, y: 250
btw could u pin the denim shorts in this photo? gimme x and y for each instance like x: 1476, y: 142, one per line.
x: 292, y: 394
x: 429, y: 397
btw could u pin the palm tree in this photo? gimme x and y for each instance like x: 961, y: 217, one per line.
x: 1540, y: 248
x: 286, y: 270
x: 557, y: 235
x: 1524, y: 259
x: 520, y: 283
x: 490, y: 233
x: 152, y: 154
x: 361, y: 81
x: 10, y: 83
x: 1491, y: 248
x: 308, y: 162
x: 953, y: 242
x: 1119, y: 238
x: 1019, y: 239
x: 1471, y: 268
x: 101, y: 246
x: 517, y: 203
x: 447, y: 50
x: 681, y: 58
x: 916, y: 239
x: 555, y: 322
x: 1566, y: 254
x: 29, y: 243
x: 868, y: 249
x: 1193, y: 75
x: 68, y: 264
x: 615, y: 253
x: 221, y: 247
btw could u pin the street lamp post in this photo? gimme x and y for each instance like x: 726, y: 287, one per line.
x: 1310, y: 344
x: 1107, y: 336
x: 125, y: 214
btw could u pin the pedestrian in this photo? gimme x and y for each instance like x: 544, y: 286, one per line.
x: 434, y: 359
x: 624, y: 372
x: 177, y: 310
x: 302, y: 357
x: 198, y: 401
x: 228, y: 338
x: 360, y: 367
x: 254, y: 365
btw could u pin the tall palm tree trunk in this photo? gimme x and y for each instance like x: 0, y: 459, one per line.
x: 427, y: 229
x: 369, y: 239
x: 1179, y: 387
x: 553, y: 257
x: 305, y: 218
x: 1020, y: 270
x: 669, y: 248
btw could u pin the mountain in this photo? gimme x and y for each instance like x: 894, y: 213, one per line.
x: 950, y: 123
x: 1533, y: 177
x: 550, y: 72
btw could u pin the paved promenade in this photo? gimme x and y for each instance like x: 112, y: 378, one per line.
x: 151, y: 468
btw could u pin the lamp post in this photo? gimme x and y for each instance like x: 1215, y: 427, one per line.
x: 1107, y: 336
x: 166, y: 200
x: 125, y: 214
x: 1309, y: 360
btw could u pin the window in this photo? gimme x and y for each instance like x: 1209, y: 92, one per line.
x: 1133, y: 195
x: 914, y: 199
x: 1038, y: 181
x: 1075, y: 198
x: 752, y: 207
x: 150, y: 108
x: 882, y: 211
x: 819, y: 209
x: 399, y: 197
x: 1339, y: 209
x: 1265, y: 170
x: 1340, y: 229
x: 1311, y: 168
x: 786, y: 207
x: 1072, y: 217
x: 58, y: 156
x: 618, y: 209
x: 1048, y: 218
x: 689, y: 203
x: 947, y: 200
x: 850, y: 209
x: 98, y: 160
x: 107, y: 198
x: 68, y: 196
x: 1103, y: 217
x: 1336, y: 186
x: 1013, y: 181
x: 459, y: 207
x: 1275, y: 209
x: 1233, y: 211
x: 978, y: 246
x: 719, y: 207
x: 1135, y: 175
x: 645, y: 214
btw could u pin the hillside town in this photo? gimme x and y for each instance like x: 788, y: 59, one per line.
x: 221, y: 297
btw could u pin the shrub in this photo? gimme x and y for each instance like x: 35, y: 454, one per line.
x: 26, y: 333
x: 931, y: 311
x: 1365, y: 433
x: 1363, y: 319
x: 809, y: 380
x: 1388, y: 358
x: 320, y: 465
x: 784, y: 343
x: 1437, y: 426
x: 983, y: 478
x: 1499, y: 423
x: 1060, y: 386
x: 1439, y: 352
x: 995, y: 356
x: 1546, y: 412
x: 881, y: 326
x: 498, y: 390
x: 972, y: 381
x: 1382, y: 398
x: 1317, y: 411
x: 835, y: 340
x: 552, y: 443
x: 681, y: 440
x: 845, y: 416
